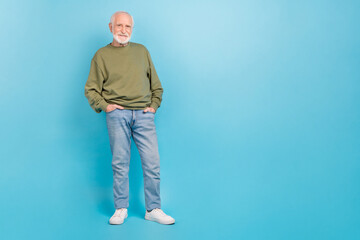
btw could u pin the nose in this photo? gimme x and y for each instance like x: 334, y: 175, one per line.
x: 122, y: 29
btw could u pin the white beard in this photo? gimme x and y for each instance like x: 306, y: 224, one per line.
x: 117, y: 38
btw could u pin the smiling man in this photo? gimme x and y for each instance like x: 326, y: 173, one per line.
x: 124, y: 84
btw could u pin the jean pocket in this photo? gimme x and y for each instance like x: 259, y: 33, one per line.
x: 112, y: 111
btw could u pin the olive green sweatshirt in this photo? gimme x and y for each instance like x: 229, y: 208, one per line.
x: 125, y: 76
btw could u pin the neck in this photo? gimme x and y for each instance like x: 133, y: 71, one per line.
x: 116, y: 44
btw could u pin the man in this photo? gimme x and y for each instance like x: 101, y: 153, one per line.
x: 124, y: 84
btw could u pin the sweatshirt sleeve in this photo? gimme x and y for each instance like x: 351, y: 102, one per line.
x: 93, y: 88
x: 155, y: 85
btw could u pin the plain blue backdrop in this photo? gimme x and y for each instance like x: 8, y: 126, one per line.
x: 258, y: 130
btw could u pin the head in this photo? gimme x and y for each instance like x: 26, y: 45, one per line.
x: 121, y: 25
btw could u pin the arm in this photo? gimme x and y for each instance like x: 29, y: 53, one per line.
x: 155, y: 85
x: 93, y: 88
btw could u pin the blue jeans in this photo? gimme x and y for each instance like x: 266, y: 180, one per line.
x: 122, y: 125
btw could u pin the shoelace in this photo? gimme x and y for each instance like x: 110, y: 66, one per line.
x: 158, y: 210
x: 119, y: 212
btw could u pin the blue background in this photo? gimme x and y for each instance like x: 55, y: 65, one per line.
x: 258, y: 129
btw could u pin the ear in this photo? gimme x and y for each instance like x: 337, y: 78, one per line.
x: 110, y: 27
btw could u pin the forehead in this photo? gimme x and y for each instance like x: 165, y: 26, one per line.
x: 122, y: 19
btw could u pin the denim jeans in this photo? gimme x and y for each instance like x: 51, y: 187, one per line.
x: 123, y: 124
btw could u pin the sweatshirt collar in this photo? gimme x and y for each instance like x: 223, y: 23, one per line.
x: 129, y: 43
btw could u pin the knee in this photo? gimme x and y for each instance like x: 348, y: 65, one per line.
x: 120, y: 169
x: 152, y: 172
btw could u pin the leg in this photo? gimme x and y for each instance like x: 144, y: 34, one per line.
x: 144, y: 135
x: 118, y: 124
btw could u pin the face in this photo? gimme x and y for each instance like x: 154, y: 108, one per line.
x: 121, y: 28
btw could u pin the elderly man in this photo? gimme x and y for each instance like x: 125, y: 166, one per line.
x: 124, y: 84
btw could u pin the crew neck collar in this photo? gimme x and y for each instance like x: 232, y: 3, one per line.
x: 129, y: 43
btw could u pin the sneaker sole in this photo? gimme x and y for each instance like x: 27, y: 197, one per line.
x: 154, y: 220
x: 119, y: 223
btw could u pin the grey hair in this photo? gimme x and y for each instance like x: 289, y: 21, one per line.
x: 112, y: 19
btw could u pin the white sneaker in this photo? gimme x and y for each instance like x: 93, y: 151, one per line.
x: 157, y: 215
x: 119, y: 216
